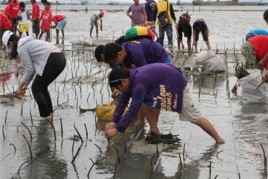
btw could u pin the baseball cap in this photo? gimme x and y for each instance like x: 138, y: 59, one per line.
x: 6, y: 36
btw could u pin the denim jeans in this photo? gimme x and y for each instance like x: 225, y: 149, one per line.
x: 169, y: 31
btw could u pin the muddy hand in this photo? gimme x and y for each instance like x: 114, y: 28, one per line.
x: 110, y: 125
x: 21, y: 91
x: 109, y: 134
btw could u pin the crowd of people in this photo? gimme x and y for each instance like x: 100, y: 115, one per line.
x: 141, y: 66
x: 16, y: 17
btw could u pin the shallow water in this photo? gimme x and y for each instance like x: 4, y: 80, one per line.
x: 243, y: 126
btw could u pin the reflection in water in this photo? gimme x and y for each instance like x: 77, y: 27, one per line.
x: 184, y: 170
x: 48, y: 164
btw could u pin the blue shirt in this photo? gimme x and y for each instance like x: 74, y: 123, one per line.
x: 158, y: 85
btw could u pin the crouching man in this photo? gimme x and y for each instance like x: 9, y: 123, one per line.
x: 161, y: 86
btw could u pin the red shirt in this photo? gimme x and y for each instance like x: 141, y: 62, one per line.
x: 260, y: 46
x: 5, y: 23
x: 14, y: 8
x: 6, y: 11
x: 35, y: 11
x: 46, y: 17
x: 57, y: 18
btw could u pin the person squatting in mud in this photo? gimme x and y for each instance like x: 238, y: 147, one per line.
x: 148, y: 87
x: 40, y: 58
x: 134, y: 54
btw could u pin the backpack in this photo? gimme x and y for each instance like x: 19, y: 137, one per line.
x: 138, y: 32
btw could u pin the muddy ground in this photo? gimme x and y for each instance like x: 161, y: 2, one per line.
x: 75, y: 145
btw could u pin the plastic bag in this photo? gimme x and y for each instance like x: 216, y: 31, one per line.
x: 249, y: 84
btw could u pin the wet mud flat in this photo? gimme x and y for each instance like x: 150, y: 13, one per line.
x: 74, y: 145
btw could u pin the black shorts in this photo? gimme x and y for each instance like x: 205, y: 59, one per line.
x: 35, y: 27
x: 185, y: 29
x: 204, y: 34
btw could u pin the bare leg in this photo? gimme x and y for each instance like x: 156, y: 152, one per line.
x: 189, y: 44
x: 91, y: 29
x: 152, y: 116
x: 97, y: 31
x: 208, y: 44
x: 209, y: 129
x: 41, y: 35
x: 57, y: 36
x: 195, y: 46
x: 48, y: 36
x: 141, y: 118
x: 62, y: 32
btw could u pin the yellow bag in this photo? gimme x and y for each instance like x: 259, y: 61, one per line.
x: 105, y: 111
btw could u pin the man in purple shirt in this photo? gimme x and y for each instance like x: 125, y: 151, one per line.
x: 136, y: 13
x: 135, y: 53
x: 147, y: 86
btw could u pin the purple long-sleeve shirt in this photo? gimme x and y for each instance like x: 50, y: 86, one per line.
x: 151, y: 10
x: 143, y: 52
x: 158, y: 85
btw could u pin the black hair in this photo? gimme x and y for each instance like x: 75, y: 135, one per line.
x: 110, y: 51
x: 98, y: 52
x: 120, y: 40
x: 22, y: 4
x: 14, y: 38
x: 116, y: 75
x: 265, y: 15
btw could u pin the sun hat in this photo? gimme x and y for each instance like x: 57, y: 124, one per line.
x: 6, y: 36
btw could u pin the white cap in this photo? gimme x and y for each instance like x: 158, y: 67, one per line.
x: 6, y: 37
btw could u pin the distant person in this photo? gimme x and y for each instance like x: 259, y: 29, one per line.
x: 12, y: 13
x: 42, y: 61
x: 148, y: 87
x: 136, y: 13
x: 94, y: 18
x: 200, y: 26
x: 60, y: 22
x: 5, y: 24
x: 35, y: 18
x: 46, y: 18
x: 151, y: 13
x: 184, y: 27
x: 255, y: 32
x: 24, y: 21
x: 6, y: 10
x: 163, y: 6
x: 255, y: 52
